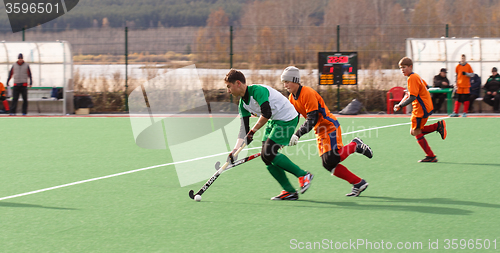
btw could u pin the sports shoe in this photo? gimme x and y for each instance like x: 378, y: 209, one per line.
x: 358, y: 188
x: 454, y: 115
x: 441, y: 129
x: 464, y: 115
x: 286, y: 196
x: 305, y: 182
x: 362, y: 148
x: 429, y: 159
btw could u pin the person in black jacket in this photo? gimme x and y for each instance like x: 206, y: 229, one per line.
x: 440, y: 81
x: 492, y: 88
x: 475, y: 90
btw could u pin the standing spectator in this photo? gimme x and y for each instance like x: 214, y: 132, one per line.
x: 492, y: 88
x: 464, y: 73
x: 475, y: 89
x: 21, y: 72
x: 440, y: 81
x: 3, y: 98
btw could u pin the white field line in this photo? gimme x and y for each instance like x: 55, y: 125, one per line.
x: 173, y: 163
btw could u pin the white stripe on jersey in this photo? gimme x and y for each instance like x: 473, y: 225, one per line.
x: 281, y: 108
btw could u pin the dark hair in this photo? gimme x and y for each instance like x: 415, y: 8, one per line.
x: 235, y: 75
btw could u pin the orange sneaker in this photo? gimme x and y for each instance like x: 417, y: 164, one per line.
x: 305, y: 182
x: 429, y: 159
x: 441, y: 129
x: 286, y: 196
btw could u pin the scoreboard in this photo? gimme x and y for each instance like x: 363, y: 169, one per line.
x: 338, y: 68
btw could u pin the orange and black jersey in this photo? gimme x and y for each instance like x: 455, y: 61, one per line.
x: 463, y: 80
x: 311, y: 105
x: 2, y: 90
x: 422, y: 105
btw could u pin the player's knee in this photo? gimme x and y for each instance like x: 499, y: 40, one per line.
x: 413, y: 132
x: 269, y: 151
x: 266, y: 160
x: 416, y: 132
x: 267, y: 157
x: 330, y: 160
x: 329, y: 167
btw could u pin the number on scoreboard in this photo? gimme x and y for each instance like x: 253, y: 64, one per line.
x: 338, y: 68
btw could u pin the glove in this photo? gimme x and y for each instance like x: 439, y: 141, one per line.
x: 463, y: 73
x: 231, y: 158
x: 294, y: 140
x: 249, y: 137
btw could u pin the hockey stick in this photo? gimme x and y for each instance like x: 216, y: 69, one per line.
x: 217, y: 174
x: 238, y: 162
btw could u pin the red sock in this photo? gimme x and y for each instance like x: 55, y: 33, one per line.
x: 425, y: 146
x: 6, y: 105
x: 466, y: 106
x: 347, y: 150
x: 342, y: 172
x: 429, y: 128
x: 457, y: 106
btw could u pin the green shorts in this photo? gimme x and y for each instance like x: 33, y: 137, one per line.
x: 280, y: 131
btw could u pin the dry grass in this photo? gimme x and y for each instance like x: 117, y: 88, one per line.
x: 170, y: 59
x: 371, y: 89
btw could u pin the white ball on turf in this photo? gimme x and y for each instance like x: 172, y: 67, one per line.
x: 197, y: 198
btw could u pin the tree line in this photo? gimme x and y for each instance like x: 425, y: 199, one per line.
x: 144, y: 13
x: 178, y: 13
x: 268, y: 32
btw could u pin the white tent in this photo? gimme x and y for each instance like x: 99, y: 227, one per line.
x: 430, y: 55
x: 51, y: 65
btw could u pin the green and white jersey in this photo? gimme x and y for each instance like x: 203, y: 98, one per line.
x: 281, y: 108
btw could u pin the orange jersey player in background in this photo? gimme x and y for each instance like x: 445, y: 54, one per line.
x: 327, y: 129
x: 464, y: 73
x: 3, y: 98
x: 421, y: 101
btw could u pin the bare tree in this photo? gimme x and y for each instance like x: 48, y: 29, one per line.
x: 213, y: 40
x: 425, y: 14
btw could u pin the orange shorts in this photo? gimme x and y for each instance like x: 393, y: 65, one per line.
x: 329, y: 141
x: 463, y: 90
x: 417, y: 123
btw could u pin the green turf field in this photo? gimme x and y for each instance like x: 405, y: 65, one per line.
x: 407, y: 203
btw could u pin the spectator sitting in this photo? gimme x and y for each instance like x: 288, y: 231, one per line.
x: 492, y: 88
x: 440, y: 81
x: 475, y: 89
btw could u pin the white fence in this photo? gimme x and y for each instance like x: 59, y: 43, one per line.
x: 430, y: 55
x: 51, y: 65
